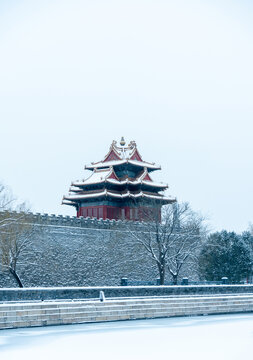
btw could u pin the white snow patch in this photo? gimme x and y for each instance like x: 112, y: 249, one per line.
x: 213, y: 337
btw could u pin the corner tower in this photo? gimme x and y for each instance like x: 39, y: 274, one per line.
x: 120, y: 187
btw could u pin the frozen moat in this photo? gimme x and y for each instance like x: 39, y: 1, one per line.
x: 218, y: 337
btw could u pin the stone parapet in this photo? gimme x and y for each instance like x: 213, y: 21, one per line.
x: 85, y: 293
x: 69, y: 312
x: 60, y: 220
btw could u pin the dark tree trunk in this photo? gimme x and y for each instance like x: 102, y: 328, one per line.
x: 174, y: 279
x: 16, y: 277
x: 162, y: 275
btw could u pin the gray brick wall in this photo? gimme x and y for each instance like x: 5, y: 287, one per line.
x: 70, y: 251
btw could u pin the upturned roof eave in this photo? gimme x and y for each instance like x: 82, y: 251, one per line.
x: 81, y: 186
x: 113, y: 163
x: 73, y: 198
x: 68, y: 202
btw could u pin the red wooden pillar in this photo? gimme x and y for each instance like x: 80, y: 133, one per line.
x: 104, y: 212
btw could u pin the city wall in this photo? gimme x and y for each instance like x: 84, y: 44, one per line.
x: 70, y: 251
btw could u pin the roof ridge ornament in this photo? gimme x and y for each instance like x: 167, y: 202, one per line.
x: 132, y: 144
x: 122, y: 141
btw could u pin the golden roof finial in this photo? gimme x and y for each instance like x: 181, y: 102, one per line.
x: 122, y: 141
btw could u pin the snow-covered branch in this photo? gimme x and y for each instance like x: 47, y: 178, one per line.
x: 172, y: 240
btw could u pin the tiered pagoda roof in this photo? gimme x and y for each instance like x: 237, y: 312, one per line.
x: 122, y: 178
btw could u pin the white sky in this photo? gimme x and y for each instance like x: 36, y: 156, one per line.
x: 175, y: 76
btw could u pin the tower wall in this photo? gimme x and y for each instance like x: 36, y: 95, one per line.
x: 137, y: 213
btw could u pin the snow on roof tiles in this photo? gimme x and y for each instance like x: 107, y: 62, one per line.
x: 103, y: 172
x: 100, y: 176
x: 121, y: 162
x: 118, y: 155
x: 118, y: 195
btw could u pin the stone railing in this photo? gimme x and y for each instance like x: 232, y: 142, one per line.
x: 81, y: 293
x: 77, y: 312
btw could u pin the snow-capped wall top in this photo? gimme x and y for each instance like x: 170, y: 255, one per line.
x: 73, y: 221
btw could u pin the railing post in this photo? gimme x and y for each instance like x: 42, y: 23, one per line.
x: 224, y: 280
x: 123, y: 281
x: 185, y: 281
x: 101, y: 296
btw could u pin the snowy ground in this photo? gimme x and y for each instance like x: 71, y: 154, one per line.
x: 218, y: 337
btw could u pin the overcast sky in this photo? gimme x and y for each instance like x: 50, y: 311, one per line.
x: 175, y: 76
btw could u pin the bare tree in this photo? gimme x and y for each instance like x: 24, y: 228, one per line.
x: 186, y: 240
x: 6, y: 205
x: 6, y: 198
x: 15, y: 241
x: 15, y: 233
x: 172, y: 240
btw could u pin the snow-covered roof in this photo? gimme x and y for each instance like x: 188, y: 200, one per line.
x: 122, y: 151
x: 137, y: 182
x: 98, y: 176
x: 119, y: 195
x: 123, y: 154
x: 107, y: 175
x: 121, y: 162
x: 103, y: 172
x: 67, y: 202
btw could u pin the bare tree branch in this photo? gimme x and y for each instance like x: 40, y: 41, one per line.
x: 15, y: 233
x: 172, y: 240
